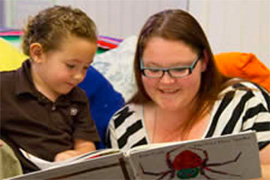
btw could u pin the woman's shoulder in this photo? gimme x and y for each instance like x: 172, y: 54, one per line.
x: 238, y: 85
x: 128, y: 114
x: 246, y: 91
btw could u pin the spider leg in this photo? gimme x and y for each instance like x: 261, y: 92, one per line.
x: 226, y: 162
x: 165, y: 174
x: 221, y: 172
x: 206, y: 166
x: 203, y: 173
x: 161, y: 174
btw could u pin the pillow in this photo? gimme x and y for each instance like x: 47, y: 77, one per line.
x: 11, y: 58
x: 244, y: 65
x: 117, y: 66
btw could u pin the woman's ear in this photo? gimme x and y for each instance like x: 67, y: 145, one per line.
x: 36, y: 52
x: 205, y: 60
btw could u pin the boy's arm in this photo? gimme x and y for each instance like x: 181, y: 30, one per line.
x: 80, y: 147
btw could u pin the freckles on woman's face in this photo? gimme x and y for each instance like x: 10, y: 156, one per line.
x: 168, y: 92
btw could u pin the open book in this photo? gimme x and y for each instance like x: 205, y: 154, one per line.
x: 225, y: 157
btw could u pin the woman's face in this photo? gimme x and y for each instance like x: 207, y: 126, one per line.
x: 167, y: 92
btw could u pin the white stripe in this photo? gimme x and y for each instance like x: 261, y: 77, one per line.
x: 257, y: 92
x: 227, y: 113
x: 137, y: 115
x: 133, y: 139
x: 263, y: 136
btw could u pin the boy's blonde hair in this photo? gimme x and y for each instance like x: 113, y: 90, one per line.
x: 50, y: 26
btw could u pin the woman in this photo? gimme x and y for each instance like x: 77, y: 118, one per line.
x: 181, y: 94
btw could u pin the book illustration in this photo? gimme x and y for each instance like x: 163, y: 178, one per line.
x: 189, y: 164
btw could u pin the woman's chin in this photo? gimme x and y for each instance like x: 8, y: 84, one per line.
x: 169, y: 106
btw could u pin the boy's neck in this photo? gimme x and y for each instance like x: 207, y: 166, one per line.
x: 41, y: 86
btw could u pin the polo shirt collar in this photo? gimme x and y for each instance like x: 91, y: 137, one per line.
x: 24, y: 85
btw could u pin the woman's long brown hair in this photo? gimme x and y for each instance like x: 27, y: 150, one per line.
x: 178, y: 25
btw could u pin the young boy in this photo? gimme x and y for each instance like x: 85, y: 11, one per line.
x: 43, y: 112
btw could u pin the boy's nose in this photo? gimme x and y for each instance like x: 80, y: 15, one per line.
x: 79, y: 76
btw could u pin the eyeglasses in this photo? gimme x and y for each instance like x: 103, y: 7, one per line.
x: 174, y: 72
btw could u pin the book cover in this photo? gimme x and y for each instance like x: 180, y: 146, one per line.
x: 225, y: 157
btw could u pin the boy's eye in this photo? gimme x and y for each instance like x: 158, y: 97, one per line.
x: 85, y: 67
x: 71, y: 66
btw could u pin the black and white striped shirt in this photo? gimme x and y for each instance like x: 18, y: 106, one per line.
x: 239, y: 110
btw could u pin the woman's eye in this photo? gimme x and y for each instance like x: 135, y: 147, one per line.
x: 179, y: 69
x: 154, y: 70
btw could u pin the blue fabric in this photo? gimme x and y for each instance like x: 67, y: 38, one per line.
x: 104, y: 101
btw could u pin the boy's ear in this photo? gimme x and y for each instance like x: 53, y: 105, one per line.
x: 36, y: 52
x: 205, y: 61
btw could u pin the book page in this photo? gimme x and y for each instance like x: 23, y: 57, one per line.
x: 43, y: 164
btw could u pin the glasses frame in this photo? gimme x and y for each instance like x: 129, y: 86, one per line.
x: 190, y: 69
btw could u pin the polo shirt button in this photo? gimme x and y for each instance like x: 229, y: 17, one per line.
x: 53, y: 107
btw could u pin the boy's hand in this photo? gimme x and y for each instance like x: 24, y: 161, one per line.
x: 65, y: 155
x: 80, y: 147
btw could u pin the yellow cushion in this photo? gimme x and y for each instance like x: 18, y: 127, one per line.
x: 244, y: 65
x: 10, y: 57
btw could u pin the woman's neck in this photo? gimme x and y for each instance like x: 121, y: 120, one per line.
x: 167, y: 126
x: 164, y: 125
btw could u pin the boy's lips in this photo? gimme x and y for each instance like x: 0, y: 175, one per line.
x: 71, y: 84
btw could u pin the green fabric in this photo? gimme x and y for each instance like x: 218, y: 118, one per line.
x: 9, y: 165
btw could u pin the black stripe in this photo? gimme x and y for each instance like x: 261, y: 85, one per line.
x: 224, y: 103
x: 140, y: 142
x: 263, y: 144
x: 129, y: 131
x: 108, y: 143
x: 254, y: 111
x: 238, y: 86
x: 262, y: 126
x: 122, y: 115
x: 237, y: 113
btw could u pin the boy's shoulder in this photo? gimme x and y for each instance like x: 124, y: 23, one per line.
x: 8, y: 83
x: 7, y: 78
x: 7, y: 74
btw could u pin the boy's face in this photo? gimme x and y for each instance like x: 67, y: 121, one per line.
x: 58, y: 71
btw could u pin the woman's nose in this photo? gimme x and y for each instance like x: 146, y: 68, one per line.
x: 166, y: 78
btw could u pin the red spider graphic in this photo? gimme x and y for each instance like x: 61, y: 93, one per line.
x: 187, y: 164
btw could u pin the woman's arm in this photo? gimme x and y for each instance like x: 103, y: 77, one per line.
x: 265, y: 162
